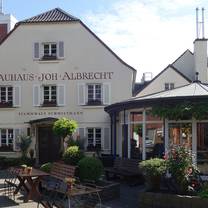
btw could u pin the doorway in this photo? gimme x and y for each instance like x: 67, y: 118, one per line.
x: 49, y: 145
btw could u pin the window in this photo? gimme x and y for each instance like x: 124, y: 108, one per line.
x: 94, y: 138
x: 94, y: 94
x: 6, y: 96
x: 7, y: 139
x: 49, y: 95
x: 169, y: 86
x: 49, y: 51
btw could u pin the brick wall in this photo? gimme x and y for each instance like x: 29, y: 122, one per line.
x: 3, y: 31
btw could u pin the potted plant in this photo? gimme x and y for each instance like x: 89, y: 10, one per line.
x: 153, y: 170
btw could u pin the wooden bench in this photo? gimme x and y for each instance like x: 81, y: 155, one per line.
x: 59, y: 172
x: 62, y: 171
x: 124, y: 168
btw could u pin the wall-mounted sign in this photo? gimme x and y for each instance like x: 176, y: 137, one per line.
x: 51, y: 113
x: 56, y: 76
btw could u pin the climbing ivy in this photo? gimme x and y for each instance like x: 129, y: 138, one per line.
x: 182, y: 111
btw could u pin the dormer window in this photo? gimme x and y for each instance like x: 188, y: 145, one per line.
x: 44, y: 51
x: 169, y: 86
x: 49, y: 51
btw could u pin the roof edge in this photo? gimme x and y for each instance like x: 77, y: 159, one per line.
x: 107, y: 47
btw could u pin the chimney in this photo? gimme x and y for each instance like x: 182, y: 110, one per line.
x: 7, y: 22
x: 200, y: 49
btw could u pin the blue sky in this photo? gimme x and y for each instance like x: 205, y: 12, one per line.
x: 147, y: 34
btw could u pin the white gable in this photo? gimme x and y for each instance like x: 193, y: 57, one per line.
x: 185, y: 64
x: 169, y: 75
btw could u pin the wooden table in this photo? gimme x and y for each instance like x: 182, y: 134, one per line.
x: 32, y: 179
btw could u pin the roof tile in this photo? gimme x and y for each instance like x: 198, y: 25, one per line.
x: 54, y: 15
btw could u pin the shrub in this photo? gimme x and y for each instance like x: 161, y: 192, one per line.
x: 46, y: 167
x: 90, y: 168
x: 72, y: 155
x: 153, y: 167
x: 25, y: 142
x: 153, y: 170
x: 179, y: 163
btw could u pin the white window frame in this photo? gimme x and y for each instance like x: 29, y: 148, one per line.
x: 94, y: 92
x: 7, y: 137
x: 94, y: 136
x: 50, y: 49
x: 50, y: 92
x: 169, y: 85
x: 7, y: 93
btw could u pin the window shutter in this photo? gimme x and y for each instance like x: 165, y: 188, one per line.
x: 17, y: 96
x: 82, y: 137
x: 61, y: 95
x: 61, y: 49
x: 106, y: 94
x: 81, y: 133
x: 36, y: 50
x: 17, y: 134
x: 36, y: 95
x: 106, y: 139
x: 81, y: 94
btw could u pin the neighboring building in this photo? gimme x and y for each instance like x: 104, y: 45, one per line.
x: 182, y: 71
x: 53, y: 65
x: 183, y: 83
x: 7, y: 23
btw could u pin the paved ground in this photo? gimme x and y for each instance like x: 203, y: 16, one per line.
x: 128, y: 198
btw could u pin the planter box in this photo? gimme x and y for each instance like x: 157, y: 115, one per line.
x: 110, y: 190
x: 162, y: 200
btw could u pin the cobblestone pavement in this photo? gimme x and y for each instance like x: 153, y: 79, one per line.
x: 128, y: 198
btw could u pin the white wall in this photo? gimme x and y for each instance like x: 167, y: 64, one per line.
x: 168, y: 76
x: 83, y: 53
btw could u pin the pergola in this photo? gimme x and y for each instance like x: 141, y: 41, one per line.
x: 195, y: 93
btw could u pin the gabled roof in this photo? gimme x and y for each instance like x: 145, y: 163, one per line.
x: 54, y: 15
x: 174, y: 68
x: 164, y: 70
x: 58, y: 15
x: 192, y: 91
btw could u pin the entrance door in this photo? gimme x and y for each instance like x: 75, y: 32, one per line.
x: 49, y: 145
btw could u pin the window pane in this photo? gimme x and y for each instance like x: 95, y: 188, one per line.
x: 166, y: 86
x: 171, y: 86
x: 3, y: 137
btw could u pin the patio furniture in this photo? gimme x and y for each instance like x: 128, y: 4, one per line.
x: 11, y: 181
x: 30, y: 182
x: 59, y: 171
x: 61, y: 196
x: 124, y: 167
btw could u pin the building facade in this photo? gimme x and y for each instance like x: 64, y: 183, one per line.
x: 52, y: 66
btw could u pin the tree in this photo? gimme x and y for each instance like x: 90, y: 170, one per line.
x: 64, y: 128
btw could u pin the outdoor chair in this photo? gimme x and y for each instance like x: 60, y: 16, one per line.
x: 51, y: 196
x: 10, y: 182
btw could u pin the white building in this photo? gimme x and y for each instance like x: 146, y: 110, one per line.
x: 184, y: 83
x: 53, y: 65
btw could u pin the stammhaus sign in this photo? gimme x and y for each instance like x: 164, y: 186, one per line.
x: 55, y: 76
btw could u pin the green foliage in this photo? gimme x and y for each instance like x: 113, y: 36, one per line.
x: 64, y: 127
x: 25, y: 142
x: 72, y: 155
x: 79, y: 142
x: 153, y: 167
x: 46, y: 167
x: 184, y: 110
x: 203, y: 193
x: 90, y: 168
x: 179, y: 164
